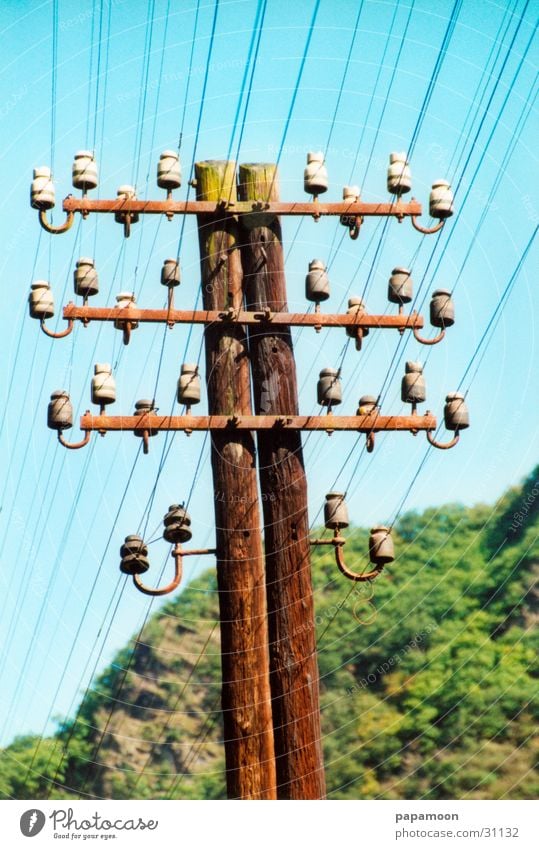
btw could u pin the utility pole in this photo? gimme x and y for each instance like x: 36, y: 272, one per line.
x: 292, y: 640
x: 246, y: 699
x: 270, y: 687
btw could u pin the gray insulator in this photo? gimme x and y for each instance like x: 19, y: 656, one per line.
x: 169, y: 174
x: 381, y: 549
x: 356, y: 305
x: 134, y: 554
x: 126, y: 192
x: 335, y: 511
x: 317, y: 282
x: 85, y: 278
x: 60, y: 411
x: 367, y: 405
x: 329, y: 388
x: 442, y: 309
x: 456, y: 416
x: 413, y: 388
x: 400, y: 287
x: 40, y: 300
x: 141, y: 408
x: 177, y: 524
x: 170, y: 273
x: 189, y: 385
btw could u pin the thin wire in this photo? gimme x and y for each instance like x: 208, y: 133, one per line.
x: 435, y: 73
x: 255, y: 37
x: 176, y: 703
x: 54, y: 79
x: 193, y: 42
x: 143, y: 94
x: 298, y: 81
x: 500, y: 305
x: 98, y: 75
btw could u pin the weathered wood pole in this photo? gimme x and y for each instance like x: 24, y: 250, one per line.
x: 246, y: 697
x: 293, y: 660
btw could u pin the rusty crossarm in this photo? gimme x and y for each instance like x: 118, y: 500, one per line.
x: 361, y: 424
x: 399, y: 322
x: 201, y: 207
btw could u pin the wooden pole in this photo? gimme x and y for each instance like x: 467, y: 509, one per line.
x: 293, y: 661
x: 246, y: 698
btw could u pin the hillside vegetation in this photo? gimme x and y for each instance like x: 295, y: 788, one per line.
x: 429, y: 689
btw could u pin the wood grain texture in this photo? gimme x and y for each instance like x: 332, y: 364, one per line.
x: 293, y: 661
x: 246, y: 698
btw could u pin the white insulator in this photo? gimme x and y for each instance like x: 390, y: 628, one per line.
x: 42, y: 195
x: 127, y: 192
x: 317, y: 282
x: 85, y: 278
x: 315, y: 176
x: 350, y: 194
x: 170, y: 273
x: 103, y: 385
x: 40, y: 300
x: 84, y: 171
x: 189, y: 385
x: 441, y: 200
x: 399, y: 176
x: 169, y: 173
x: 329, y: 388
x: 125, y: 300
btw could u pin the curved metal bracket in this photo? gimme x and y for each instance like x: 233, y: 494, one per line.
x: 177, y: 555
x: 338, y: 542
x: 354, y: 229
x: 442, y: 445
x: 370, y: 443
x: 429, y: 341
x: 125, y: 327
x: 352, y: 576
x: 145, y: 441
x: 427, y: 230
x: 50, y: 228
x: 74, y: 445
x: 54, y: 335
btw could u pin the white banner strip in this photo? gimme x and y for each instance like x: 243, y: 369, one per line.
x: 269, y: 825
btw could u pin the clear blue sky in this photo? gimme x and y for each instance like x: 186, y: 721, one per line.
x: 127, y: 90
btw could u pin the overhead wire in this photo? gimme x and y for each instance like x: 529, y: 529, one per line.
x: 97, y: 92
x: 250, y: 65
x: 400, y: 341
x: 86, y: 609
x: 205, y: 82
x: 429, y: 262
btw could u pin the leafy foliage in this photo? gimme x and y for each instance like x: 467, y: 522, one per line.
x: 429, y: 688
